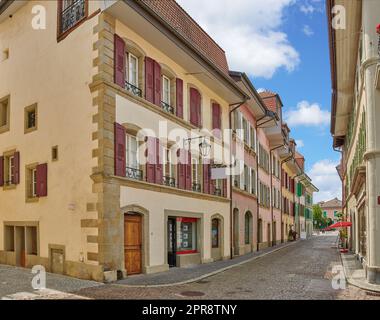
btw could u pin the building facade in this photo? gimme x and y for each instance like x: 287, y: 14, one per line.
x: 331, y: 209
x: 115, y: 142
x: 355, y: 69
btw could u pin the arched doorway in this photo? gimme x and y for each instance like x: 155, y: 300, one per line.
x: 216, y: 237
x: 248, y: 231
x: 236, y: 233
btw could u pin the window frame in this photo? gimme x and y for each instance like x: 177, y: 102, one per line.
x: 62, y: 35
x: 129, y: 74
x: 6, y: 126
x: 166, y: 78
x: 27, y: 110
x: 128, y: 151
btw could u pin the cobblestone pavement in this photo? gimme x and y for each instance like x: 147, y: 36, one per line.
x: 300, y: 271
x: 16, y: 283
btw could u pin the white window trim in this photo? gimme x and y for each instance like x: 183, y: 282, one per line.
x: 129, y: 152
x: 163, y: 89
x: 130, y: 55
x: 34, y: 182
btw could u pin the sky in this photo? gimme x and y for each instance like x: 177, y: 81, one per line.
x: 283, y: 47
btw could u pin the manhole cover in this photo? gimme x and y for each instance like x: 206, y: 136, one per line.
x: 192, y: 293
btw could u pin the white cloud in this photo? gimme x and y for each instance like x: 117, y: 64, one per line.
x: 249, y: 32
x: 325, y: 177
x: 307, y: 8
x: 300, y: 143
x: 259, y: 90
x: 307, y: 30
x: 306, y: 114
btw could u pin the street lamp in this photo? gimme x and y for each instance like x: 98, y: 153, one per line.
x: 204, y: 146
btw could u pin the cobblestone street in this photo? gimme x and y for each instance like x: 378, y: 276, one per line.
x: 301, y: 271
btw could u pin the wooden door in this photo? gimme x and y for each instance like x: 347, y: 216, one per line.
x: 133, y: 243
x: 57, y: 261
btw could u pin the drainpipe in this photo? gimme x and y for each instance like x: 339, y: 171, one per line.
x: 235, y: 107
x: 271, y: 185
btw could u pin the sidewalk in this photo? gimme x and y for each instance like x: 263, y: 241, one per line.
x: 177, y: 276
x: 355, y: 274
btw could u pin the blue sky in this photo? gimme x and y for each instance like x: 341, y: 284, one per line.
x: 286, y: 51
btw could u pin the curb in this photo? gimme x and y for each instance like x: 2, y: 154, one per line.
x: 207, y: 274
x: 358, y: 284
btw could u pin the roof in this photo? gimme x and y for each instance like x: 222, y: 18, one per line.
x: 333, y: 203
x: 184, y: 24
x: 270, y: 99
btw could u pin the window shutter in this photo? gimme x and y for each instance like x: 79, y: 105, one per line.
x: 16, y: 171
x: 151, y: 155
x: 206, y: 178
x: 157, y: 83
x: 120, y: 150
x: 179, y: 98
x: 149, y: 79
x: 193, y: 107
x: 216, y: 119
x: 224, y: 191
x: 1, y: 171
x: 199, y: 108
x: 188, y: 171
x: 159, y: 165
x: 119, y: 61
x: 41, y: 179
x: 181, y: 169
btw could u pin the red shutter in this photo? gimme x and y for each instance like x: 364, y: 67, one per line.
x: 149, y: 79
x: 151, y: 155
x: 1, y: 171
x: 206, y: 178
x: 119, y: 61
x: 216, y: 119
x: 224, y: 191
x: 159, y: 166
x: 16, y: 170
x: 181, y: 168
x: 41, y: 177
x: 199, y: 111
x: 179, y: 97
x: 120, y: 149
x: 188, y: 171
x: 193, y: 106
x: 157, y: 83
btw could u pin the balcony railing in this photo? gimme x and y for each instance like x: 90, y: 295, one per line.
x: 71, y: 15
x: 169, y: 181
x: 218, y: 192
x: 196, y: 187
x: 132, y: 88
x: 133, y: 173
x: 167, y: 108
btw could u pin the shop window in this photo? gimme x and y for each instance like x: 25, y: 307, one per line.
x: 31, y: 240
x: 186, y: 235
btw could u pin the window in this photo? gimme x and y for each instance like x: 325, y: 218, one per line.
x: 253, y: 138
x: 215, y: 233
x: 132, y: 70
x: 70, y: 14
x: 186, y: 235
x: 31, y: 240
x: 9, y: 238
x: 31, y: 181
x: 169, y: 175
x: 30, y: 116
x: 253, y: 181
x: 166, y: 90
x: 4, y: 114
x: 54, y: 153
x: 325, y: 214
x: 245, y: 131
x: 131, y: 152
x: 246, y: 178
x: 5, y: 55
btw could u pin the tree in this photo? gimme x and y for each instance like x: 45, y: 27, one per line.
x: 320, y: 221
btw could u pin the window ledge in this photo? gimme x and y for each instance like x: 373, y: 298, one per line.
x: 238, y: 190
x: 4, y: 128
x: 9, y: 187
x: 28, y: 130
x: 32, y: 200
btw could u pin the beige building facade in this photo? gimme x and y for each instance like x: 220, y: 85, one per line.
x: 355, y: 116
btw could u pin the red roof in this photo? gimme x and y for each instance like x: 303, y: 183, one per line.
x: 270, y: 100
x: 177, y: 18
